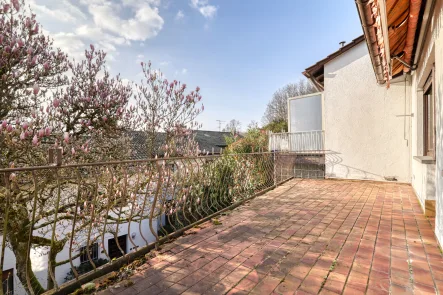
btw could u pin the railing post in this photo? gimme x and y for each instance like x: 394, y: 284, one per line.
x: 55, y: 156
x: 275, y: 167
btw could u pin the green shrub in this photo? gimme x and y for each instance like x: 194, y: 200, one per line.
x: 84, y: 268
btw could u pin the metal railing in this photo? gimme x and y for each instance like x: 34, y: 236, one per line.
x: 297, y: 141
x: 86, y: 220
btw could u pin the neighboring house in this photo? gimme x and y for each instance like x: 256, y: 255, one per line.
x: 364, y: 123
x: 212, y: 142
x: 39, y: 256
x: 388, y: 126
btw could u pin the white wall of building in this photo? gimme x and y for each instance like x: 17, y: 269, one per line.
x: 427, y: 178
x: 366, y: 134
x: 39, y: 256
x: 438, y: 37
x: 305, y: 113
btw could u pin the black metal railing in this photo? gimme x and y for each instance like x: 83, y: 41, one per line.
x: 84, y: 220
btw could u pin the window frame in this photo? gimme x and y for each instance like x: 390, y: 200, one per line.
x: 9, y: 274
x: 93, y: 250
x: 429, y: 89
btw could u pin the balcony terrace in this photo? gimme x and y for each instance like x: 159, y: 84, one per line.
x: 247, y: 225
x: 304, y: 237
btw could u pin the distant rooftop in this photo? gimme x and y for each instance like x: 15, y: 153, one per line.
x: 208, y: 141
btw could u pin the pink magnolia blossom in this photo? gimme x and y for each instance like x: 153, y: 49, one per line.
x: 35, y: 140
x: 66, y: 137
x: 16, y: 4
x: 12, y: 177
x: 36, y: 89
x: 56, y: 103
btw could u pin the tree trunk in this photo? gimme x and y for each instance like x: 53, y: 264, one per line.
x: 51, y: 268
x: 20, y: 251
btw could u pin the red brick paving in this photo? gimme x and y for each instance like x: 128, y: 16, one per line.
x: 305, y: 237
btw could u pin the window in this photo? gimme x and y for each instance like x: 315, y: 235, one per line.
x: 114, y: 249
x: 8, y: 282
x: 93, y: 252
x: 429, y: 117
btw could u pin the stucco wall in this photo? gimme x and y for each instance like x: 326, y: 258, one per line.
x: 423, y: 175
x: 438, y: 33
x: 433, y: 54
x: 363, y: 133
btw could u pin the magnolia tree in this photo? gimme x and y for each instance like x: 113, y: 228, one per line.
x: 28, y: 61
x: 86, y: 121
x: 81, y: 110
x: 41, y: 108
x: 164, y: 107
x: 92, y: 112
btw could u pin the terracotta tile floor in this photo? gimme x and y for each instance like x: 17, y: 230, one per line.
x: 305, y: 237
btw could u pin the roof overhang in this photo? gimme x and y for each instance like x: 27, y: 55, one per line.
x: 391, y: 29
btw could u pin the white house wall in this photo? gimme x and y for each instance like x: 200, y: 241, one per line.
x: 39, y: 256
x: 423, y: 175
x: 364, y: 136
x: 432, y: 54
x: 438, y: 36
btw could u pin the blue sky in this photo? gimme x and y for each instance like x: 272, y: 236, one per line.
x: 238, y: 51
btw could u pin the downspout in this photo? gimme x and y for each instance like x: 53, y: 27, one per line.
x: 364, y: 8
x: 424, y: 30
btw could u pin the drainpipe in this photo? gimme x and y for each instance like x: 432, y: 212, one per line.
x: 369, y: 28
x: 408, y: 66
x: 424, y: 30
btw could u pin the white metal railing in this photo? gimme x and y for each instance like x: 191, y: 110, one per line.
x: 297, y: 141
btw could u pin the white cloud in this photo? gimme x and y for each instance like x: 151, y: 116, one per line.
x: 164, y: 63
x: 70, y: 43
x: 95, y: 33
x: 106, y: 24
x: 208, y: 11
x: 145, y: 22
x: 68, y: 13
x: 180, y: 15
x: 184, y: 71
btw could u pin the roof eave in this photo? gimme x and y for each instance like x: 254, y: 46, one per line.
x: 374, y: 38
x: 317, y: 84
